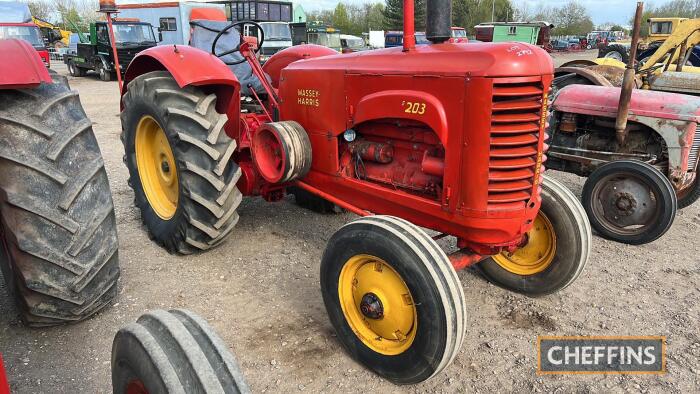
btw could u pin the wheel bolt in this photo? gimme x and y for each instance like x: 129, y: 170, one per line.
x: 165, y: 166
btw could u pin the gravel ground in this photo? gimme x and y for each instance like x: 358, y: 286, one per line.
x: 260, y: 291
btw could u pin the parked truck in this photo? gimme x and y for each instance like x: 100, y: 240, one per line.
x: 536, y: 33
x: 130, y: 36
x: 316, y: 32
x: 16, y: 22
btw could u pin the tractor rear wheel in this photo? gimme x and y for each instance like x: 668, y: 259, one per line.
x: 557, y: 248
x: 614, y: 51
x: 629, y: 201
x: 313, y: 202
x: 690, y: 194
x: 59, y: 255
x: 393, y: 298
x: 173, y: 352
x: 179, y: 161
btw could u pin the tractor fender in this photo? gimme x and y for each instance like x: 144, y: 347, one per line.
x: 404, y: 104
x: 189, y: 66
x: 22, y: 67
x: 578, y: 63
x: 592, y: 76
x: 274, y: 65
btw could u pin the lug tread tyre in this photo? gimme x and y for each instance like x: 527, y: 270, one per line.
x: 624, y: 54
x: 657, y: 180
x: 561, y: 207
x: 57, y: 211
x: 313, y: 202
x: 207, y: 176
x: 442, y: 276
x: 174, y: 352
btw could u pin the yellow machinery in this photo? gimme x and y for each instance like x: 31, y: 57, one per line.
x: 53, y: 34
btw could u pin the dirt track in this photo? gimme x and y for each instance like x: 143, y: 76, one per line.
x: 260, y: 292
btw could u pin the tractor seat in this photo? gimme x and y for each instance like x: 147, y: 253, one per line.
x: 203, y: 34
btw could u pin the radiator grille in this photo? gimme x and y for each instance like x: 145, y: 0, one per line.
x: 515, y: 127
x: 693, y: 155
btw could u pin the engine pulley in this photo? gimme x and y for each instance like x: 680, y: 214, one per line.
x: 281, y: 151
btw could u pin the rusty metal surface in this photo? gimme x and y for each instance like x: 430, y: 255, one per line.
x: 593, y: 76
x: 680, y: 82
x: 628, y: 80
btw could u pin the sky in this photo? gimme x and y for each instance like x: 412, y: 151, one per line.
x: 601, y: 11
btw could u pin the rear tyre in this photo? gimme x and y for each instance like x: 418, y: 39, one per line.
x: 104, y: 74
x: 173, y: 352
x: 614, y: 51
x: 58, y: 224
x: 556, y: 251
x: 179, y: 161
x: 629, y: 201
x: 689, y: 195
x: 393, y: 298
x: 313, y: 202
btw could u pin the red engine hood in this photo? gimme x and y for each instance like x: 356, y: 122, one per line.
x: 448, y: 59
x: 603, y: 101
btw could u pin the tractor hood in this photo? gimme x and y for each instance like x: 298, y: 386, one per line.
x: 603, y: 101
x: 448, y: 59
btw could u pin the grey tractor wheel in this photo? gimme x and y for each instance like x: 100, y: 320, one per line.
x: 179, y: 161
x: 614, y: 51
x: 60, y: 255
x: 173, y: 352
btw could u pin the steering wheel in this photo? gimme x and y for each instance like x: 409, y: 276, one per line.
x: 238, y: 47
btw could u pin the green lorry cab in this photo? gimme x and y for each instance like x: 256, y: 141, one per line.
x: 131, y: 37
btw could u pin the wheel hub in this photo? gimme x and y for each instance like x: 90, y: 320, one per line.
x: 371, y: 306
x: 377, y: 304
x: 535, y: 254
x: 624, y: 203
x: 156, y: 167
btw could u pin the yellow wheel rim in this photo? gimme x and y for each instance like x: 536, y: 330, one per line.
x: 156, y: 165
x: 536, y: 255
x: 368, y: 286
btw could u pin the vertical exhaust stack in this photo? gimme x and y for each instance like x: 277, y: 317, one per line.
x: 438, y: 24
x: 623, y: 108
x: 409, y: 26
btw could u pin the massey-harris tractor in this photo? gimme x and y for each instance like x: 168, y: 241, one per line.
x: 59, y: 238
x: 448, y: 137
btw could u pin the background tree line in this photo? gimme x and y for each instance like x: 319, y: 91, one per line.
x: 66, y: 13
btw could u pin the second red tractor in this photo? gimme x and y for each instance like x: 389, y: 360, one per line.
x: 448, y: 137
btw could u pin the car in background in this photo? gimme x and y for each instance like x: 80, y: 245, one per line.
x: 351, y: 43
x: 16, y: 22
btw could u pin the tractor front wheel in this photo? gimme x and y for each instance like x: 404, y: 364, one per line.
x: 629, y: 201
x: 173, y: 352
x: 59, y: 235
x: 556, y: 249
x: 179, y: 161
x: 393, y: 298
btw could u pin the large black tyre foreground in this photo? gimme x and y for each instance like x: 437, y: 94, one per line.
x: 173, y: 351
x: 557, y: 250
x: 59, y: 257
x: 179, y: 161
x: 629, y: 201
x: 393, y: 298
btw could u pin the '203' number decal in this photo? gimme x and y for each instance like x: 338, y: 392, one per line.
x: 411, y: 107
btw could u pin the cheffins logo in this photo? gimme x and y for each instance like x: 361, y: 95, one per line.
x: 601, y: 355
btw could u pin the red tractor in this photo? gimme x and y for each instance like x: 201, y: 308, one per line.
x: 59, y: 239
x: 445, y: 136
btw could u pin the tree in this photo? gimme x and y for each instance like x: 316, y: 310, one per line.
x: 393, y: 15
x: 340, y: 19
x: 572, y: 19
x: 41, y: 9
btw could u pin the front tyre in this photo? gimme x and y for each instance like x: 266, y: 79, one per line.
x: 556, y: 249
x: 393, y: 298
x: 179, y: 161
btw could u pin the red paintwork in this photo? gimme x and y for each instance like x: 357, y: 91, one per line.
x: 4, y: 385
x: 191, y: 66
x: 274, y: 65
x: 603, y: 101
x: 467, y: 153
x: 22, y: 66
